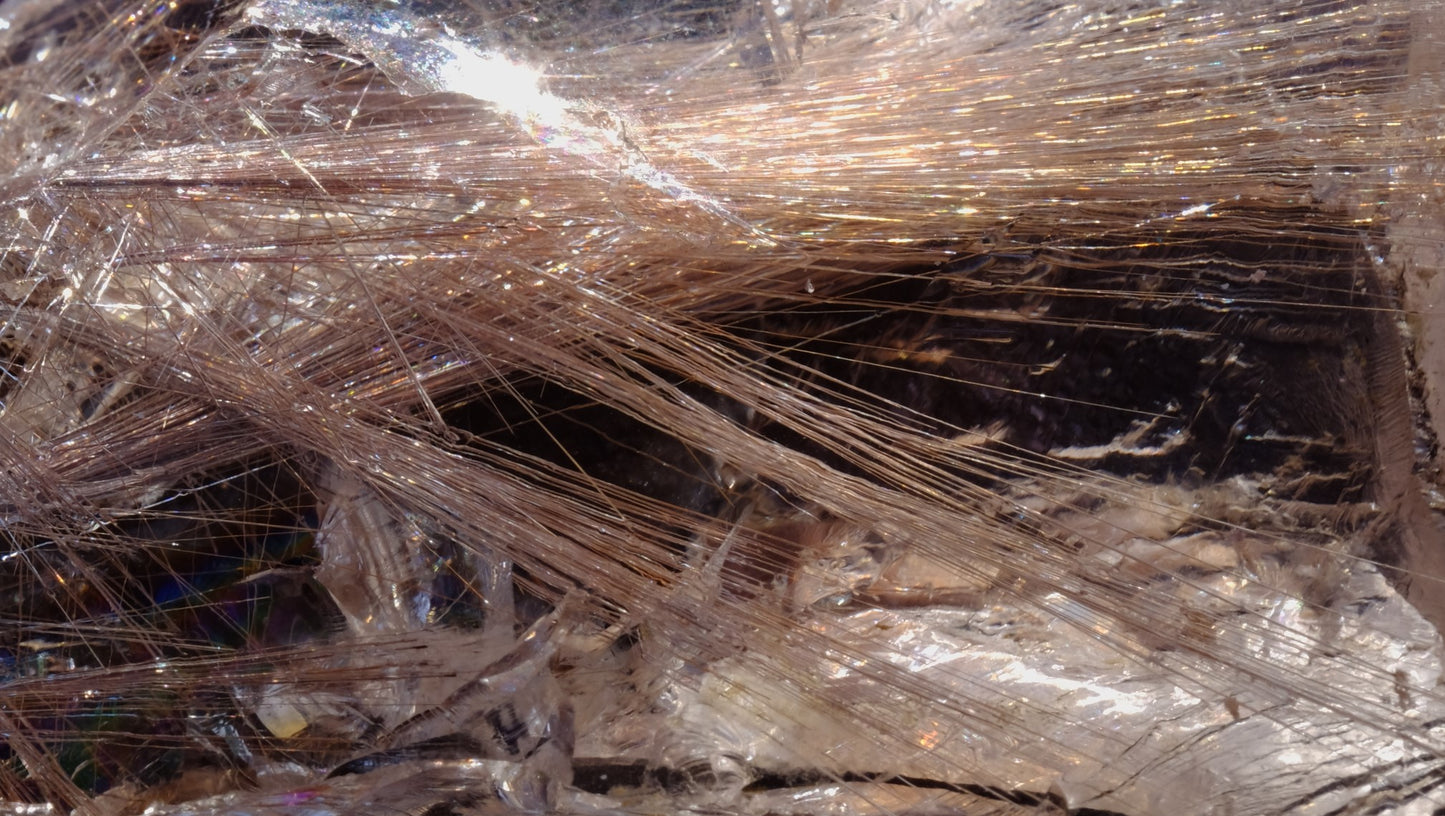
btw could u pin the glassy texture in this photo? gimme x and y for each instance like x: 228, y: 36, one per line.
x: 721, y: 406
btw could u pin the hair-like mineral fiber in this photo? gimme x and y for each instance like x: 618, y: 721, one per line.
x: 730, y: 406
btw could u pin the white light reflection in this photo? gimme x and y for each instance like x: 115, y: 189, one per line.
x: 420, y: 55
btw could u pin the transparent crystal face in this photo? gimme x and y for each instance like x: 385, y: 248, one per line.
x: 816, y: 407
